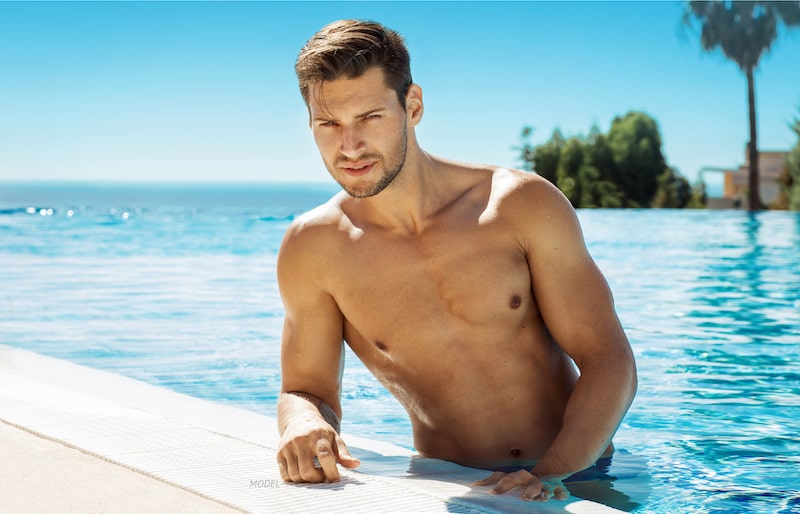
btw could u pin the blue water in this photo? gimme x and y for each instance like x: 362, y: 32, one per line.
x: 175, y: 285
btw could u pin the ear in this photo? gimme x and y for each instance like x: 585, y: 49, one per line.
x: 414, y: 105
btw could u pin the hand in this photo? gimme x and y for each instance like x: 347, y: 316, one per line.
x: 309, y: 452
x: 534, y: 488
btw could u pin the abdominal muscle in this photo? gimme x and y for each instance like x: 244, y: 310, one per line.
x: 484, y: 397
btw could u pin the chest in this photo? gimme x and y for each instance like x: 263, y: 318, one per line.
x: 438, y: 283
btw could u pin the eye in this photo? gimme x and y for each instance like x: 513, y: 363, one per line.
x: 372, y: 116
x: 328, y: 124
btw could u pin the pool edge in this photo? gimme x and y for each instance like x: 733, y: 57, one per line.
x: 217, y: 451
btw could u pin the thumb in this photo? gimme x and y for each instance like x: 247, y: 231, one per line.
x: 345, y: 459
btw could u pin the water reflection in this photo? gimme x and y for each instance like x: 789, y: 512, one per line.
x: 742, y: 380
x: 711, y: 303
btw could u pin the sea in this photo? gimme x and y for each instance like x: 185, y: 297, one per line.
x: 174, y: 284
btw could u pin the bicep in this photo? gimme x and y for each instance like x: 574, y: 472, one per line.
x: 312, y: 341
x: 572, y: 293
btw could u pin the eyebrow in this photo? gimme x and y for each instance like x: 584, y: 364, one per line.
x: 323, y: 117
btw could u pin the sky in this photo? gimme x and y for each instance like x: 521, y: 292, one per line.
x: 206, y: 91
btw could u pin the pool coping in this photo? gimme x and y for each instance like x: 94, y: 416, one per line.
x: 223, y: 453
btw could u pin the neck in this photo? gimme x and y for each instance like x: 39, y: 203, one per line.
x: 411, y: 201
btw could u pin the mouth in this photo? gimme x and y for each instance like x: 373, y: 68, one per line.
x: 358, y: 169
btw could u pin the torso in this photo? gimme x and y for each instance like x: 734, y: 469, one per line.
x: 446, y: 320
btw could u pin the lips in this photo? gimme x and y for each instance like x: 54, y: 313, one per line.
x: 358, y: 169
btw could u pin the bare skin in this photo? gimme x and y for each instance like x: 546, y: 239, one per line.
x: 466, y: 290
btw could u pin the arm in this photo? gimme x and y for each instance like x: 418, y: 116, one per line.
x: 577, y: 307
x: 311, y: 367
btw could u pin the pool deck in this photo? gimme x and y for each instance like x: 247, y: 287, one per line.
x: 76, y: 439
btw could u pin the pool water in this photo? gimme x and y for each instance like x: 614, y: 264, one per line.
x: 175, y: 285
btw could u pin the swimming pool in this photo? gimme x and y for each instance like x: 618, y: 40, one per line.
x: 175, y: 285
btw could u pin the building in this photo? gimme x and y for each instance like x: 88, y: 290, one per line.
x: 770, y: 168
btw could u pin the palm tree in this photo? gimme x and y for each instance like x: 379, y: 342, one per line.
x: 744, y: 31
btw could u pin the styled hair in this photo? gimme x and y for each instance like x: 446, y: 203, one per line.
x: 349, y: 48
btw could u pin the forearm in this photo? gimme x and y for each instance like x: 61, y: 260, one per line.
x: 598, y: 403
x: 297, y: 403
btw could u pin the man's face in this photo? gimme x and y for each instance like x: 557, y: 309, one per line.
x: 360, y: 129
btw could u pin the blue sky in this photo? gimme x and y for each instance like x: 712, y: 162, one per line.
x: 156, y: 91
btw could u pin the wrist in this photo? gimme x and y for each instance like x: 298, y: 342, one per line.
x: 320, y: 407
x: 551, y: 473
x: 310, y: 398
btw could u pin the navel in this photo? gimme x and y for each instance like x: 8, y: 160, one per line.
x: 516, y: 301
x: 516, y: 452
x: 380, y: 346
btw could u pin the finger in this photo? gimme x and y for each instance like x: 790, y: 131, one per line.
x: 491, y: 479
x: 307, y: 469
x: 282, y: 470
x: 535, y: 491
x: 327, y: 460
x: 512, y: 480
x: 292, y: 471
x: 561, y: 493
x: 545, y: 495
x: 344, y: 456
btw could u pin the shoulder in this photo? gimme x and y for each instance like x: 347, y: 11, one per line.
x: 537, y: 212
x: 528, y: 196
x: 316, y: 226
x: 310, y: 238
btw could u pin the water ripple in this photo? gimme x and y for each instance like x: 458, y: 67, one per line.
x: 183, y: 294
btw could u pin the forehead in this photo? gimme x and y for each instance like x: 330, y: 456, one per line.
x: 347, y: 96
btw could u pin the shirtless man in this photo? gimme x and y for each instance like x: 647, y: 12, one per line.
x: 466, y: 290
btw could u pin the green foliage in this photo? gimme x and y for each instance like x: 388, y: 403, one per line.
x: 792, y: 185
x: 546, y: 157
x: 699, y: 197
x: 673, y: 191
x: 525, y: 149
x: 624, y: 168
x: 635, y: 145
x: 786, y: 182
x: 568, y: 172
x: 744, y: 31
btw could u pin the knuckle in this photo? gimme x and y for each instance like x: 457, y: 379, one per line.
x: 310, y: 476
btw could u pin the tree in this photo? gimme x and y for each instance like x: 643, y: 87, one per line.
x: 547, y: 156
x: 637, y: 161
x: 525, y: 148
x: 568, y: 173
x: 786, y: 183
x: 744, y: 31
x: 674, y: 191
x: 624, y: 168
x: 598, y: 167
x: 792, y: 173
x: 699, y: 197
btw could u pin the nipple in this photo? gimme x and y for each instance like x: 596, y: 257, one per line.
x: 516, y: 301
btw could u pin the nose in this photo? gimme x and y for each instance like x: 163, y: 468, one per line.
x: 352, y: 144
